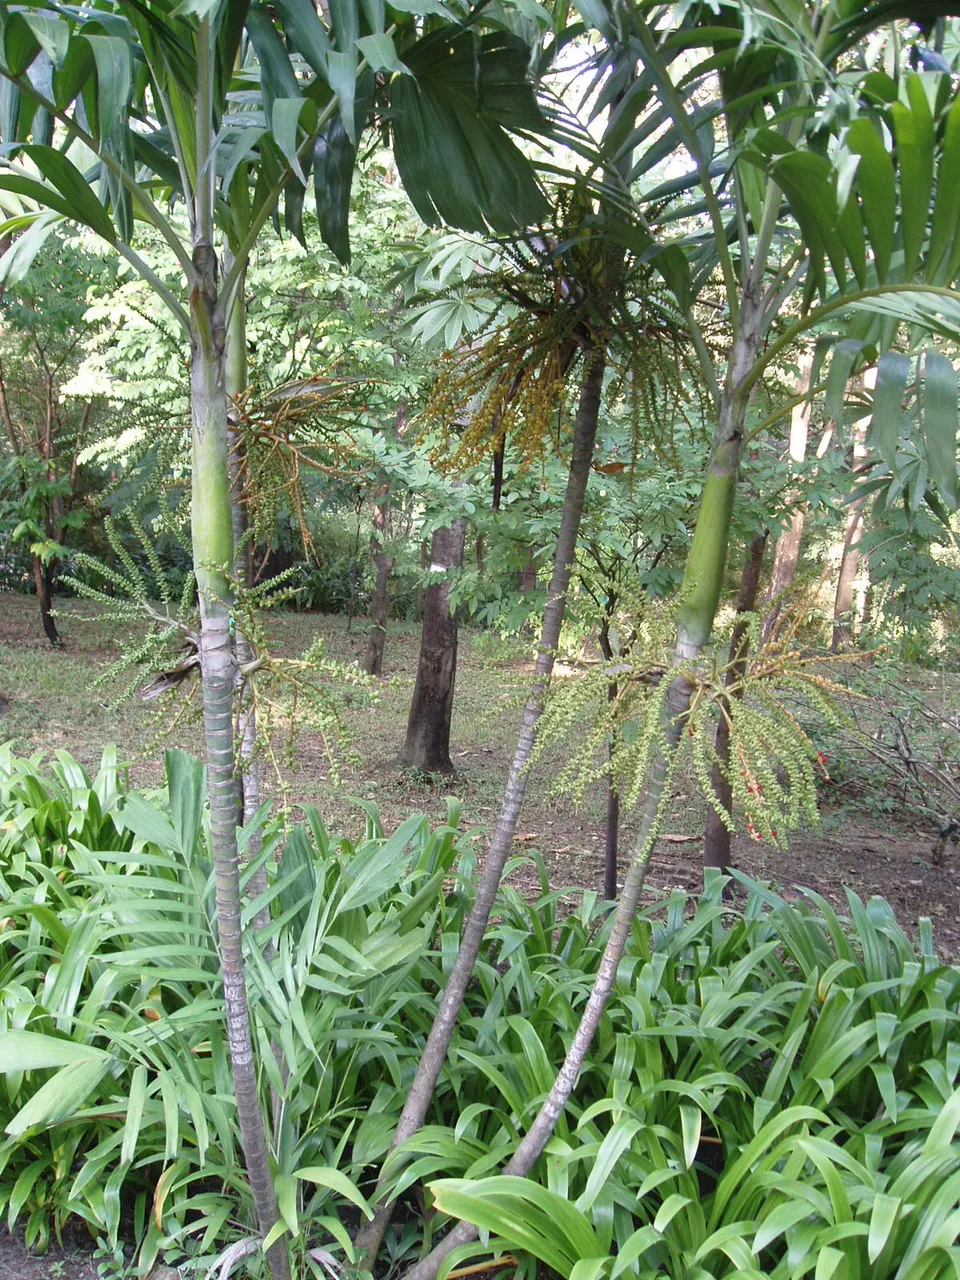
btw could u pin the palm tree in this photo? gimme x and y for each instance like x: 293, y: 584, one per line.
x: 175, y: 131
x: 833, y: 263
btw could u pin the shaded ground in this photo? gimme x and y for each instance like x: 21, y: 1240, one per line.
x: 48, y: 702
x: 72, y: 1262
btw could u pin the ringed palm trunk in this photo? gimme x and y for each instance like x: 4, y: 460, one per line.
x: 213, y: 550
x: 248, y: 780
x: 700, y: 595
x: 438, y: 1042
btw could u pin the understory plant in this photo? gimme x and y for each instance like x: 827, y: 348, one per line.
x: 772, y: 1085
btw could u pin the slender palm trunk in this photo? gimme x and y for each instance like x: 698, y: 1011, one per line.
x: 716, y: 836
x: 611, y: 839
x: 213, y: 550
x: 438, y: 1041
x: 700, y: 595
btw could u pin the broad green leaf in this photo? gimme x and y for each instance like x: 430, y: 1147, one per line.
x: 615, y: 1143
x: 147, y: 823
x: 20, y: 45
x: 73, y: 196
x: 61, y: 1095
x: 305, y: 32
x: 945, y: 227
x: 883, y: 1217
x: 285, y: 119
x: 380, y: 53
x: 807, y: 182
x: 525, y: 1214
x: 892, y: 373
x: 940, y: 423
x: 423, y: 8
x: 336, y: 1181
x: 828, y: 1261
x: 345, y: 22
x: 276, y: 74
x: 877, y: 185
x: 51, y: 33
x: 342, y: 66
x: 186, y: 784
x: 691, y: 1123
x: 457, y: 163
x: 671, y: 1206
x: 114, y: 85
x: 135, y: 1103
x: 34, y: 230
x: 913, y: 129
x: 9, y: 110
x: 843, y: 357
x: 30, y: 1051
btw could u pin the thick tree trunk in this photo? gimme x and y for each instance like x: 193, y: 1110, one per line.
x: 43, y: 581
x: 700, y: 595
x: 376, y: 641
x: 716, y: 836
x: 438, y: 1041
x: 418, y: 604
x: 427, y: 743
x: 212, y: 528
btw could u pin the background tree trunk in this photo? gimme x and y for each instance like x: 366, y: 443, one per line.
x: 373, y: 658
x: 427, y: 744
x: 43, y: 581
x: 611, y: 837
x: 418, y: 603
x: 716, y: 836
x: 844, y: 612
x: 786, y: 555
x: 527, y: 575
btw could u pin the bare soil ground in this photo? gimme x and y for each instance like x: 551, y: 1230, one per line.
x: 71, y: 1261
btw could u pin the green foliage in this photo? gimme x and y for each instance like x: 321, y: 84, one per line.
x: 133, y: 590
x: 775, y: 1095
x: 112, y: 1044
x: 762, y: 1076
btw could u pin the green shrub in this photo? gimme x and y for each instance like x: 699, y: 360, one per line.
x: 117, y: 1102
x: 773, y: 1090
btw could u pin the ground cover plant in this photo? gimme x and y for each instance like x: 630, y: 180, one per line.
x: 237, y: 1043
x: 772, y: 1084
